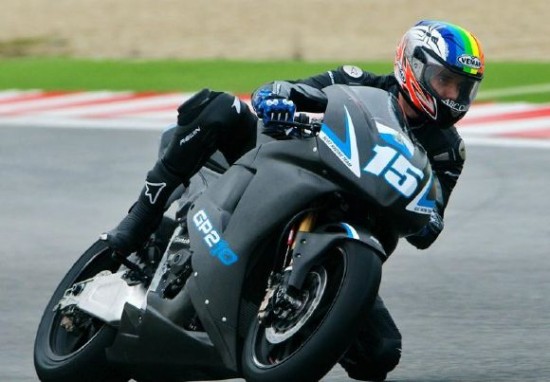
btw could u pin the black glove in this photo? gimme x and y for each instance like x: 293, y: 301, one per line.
x: 427, y: 235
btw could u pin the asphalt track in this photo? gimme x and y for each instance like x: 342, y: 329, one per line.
x: 474, y: 307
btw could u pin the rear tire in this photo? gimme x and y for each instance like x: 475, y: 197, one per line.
x: 61, y: 356
x: 353, y: 274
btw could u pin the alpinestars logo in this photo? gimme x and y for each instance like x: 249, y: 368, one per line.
x: 237, y: 105
x: 152, y: 190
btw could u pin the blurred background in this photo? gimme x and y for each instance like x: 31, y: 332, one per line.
x: 356, y: 30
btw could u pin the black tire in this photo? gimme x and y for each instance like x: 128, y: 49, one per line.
x: 65, y: 357
x: 354, y: 274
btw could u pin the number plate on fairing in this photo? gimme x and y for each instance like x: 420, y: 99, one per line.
x: 364, y: 139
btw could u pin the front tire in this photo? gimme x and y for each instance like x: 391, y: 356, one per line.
x: 309, y: 346
x: 63, y: 356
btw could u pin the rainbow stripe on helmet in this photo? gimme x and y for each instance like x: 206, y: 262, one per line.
x: 464, y: 51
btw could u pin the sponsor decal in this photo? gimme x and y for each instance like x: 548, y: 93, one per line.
x: 455, y: 105
x: 470, y: 61
x: 190, y: 136
x: 219, y: 248
x: 347, y: 150
x: 152, y: 190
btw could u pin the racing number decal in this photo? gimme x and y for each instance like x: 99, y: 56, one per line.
x: 395, y: 169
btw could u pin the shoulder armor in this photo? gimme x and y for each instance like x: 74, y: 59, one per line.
x: 455, y: 153
x: 352, y: 71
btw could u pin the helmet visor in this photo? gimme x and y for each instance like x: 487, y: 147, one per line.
x: 453, y: 89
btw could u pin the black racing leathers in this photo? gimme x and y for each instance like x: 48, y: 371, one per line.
x: 443, y: 144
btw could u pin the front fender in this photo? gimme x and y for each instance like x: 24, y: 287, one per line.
x: 311, y: 245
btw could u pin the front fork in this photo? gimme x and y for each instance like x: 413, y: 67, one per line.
x: 278, y: 297
x: 307, y: 223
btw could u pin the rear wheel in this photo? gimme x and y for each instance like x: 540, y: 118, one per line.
x: 72, y: 347
x: 304, y: 343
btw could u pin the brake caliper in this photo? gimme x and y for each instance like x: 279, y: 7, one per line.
x: 279, y: 302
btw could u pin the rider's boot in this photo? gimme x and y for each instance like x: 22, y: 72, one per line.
x: 146, y: 213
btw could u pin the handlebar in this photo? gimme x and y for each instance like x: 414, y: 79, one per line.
x: 301, y: 127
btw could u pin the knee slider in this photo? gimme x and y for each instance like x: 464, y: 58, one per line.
x: 372, y: 362
x: 389, y: 354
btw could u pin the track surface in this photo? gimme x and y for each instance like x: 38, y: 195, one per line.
x: 474, y: 307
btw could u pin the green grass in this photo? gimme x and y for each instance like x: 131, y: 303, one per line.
x: 72, y: 74
x: 235, y: 76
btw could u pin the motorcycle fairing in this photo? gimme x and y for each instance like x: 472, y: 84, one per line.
x: 273, y: 182
x: 362, y: 140
x: 263, y: 190
x: 311, y: 245
x: 148, y: 338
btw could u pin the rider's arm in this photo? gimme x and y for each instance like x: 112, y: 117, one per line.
x: 447, y: 164
x: 446, y: 152
x: 349, y: 75
x: 307, y: 95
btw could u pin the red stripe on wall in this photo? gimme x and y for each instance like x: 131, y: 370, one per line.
x: 532, y: 134
x: 527, y: 114
x: 19, y: 98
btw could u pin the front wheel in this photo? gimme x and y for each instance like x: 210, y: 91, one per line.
x: 305, y: 344
x: 73, y: 349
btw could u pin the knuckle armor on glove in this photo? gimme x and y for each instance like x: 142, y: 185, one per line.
x: 272, y: 107
x: 277, y: 110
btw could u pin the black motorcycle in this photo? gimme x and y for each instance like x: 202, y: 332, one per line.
x: 269, y: 267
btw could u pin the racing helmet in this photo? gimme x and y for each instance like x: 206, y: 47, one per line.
x: 439, y: 67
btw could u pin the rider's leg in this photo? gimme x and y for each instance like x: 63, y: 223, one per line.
x: 205, y: 122
x: 377, y: 349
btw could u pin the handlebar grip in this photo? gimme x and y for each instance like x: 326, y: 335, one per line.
x: 301, y: 118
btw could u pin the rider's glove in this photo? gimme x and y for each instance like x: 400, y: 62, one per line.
x: 277, y: 110
x: 259, y: 97
x: 427, y: 235
x: 272, y: 108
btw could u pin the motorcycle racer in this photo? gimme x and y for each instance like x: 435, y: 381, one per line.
x: 437, y: 71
